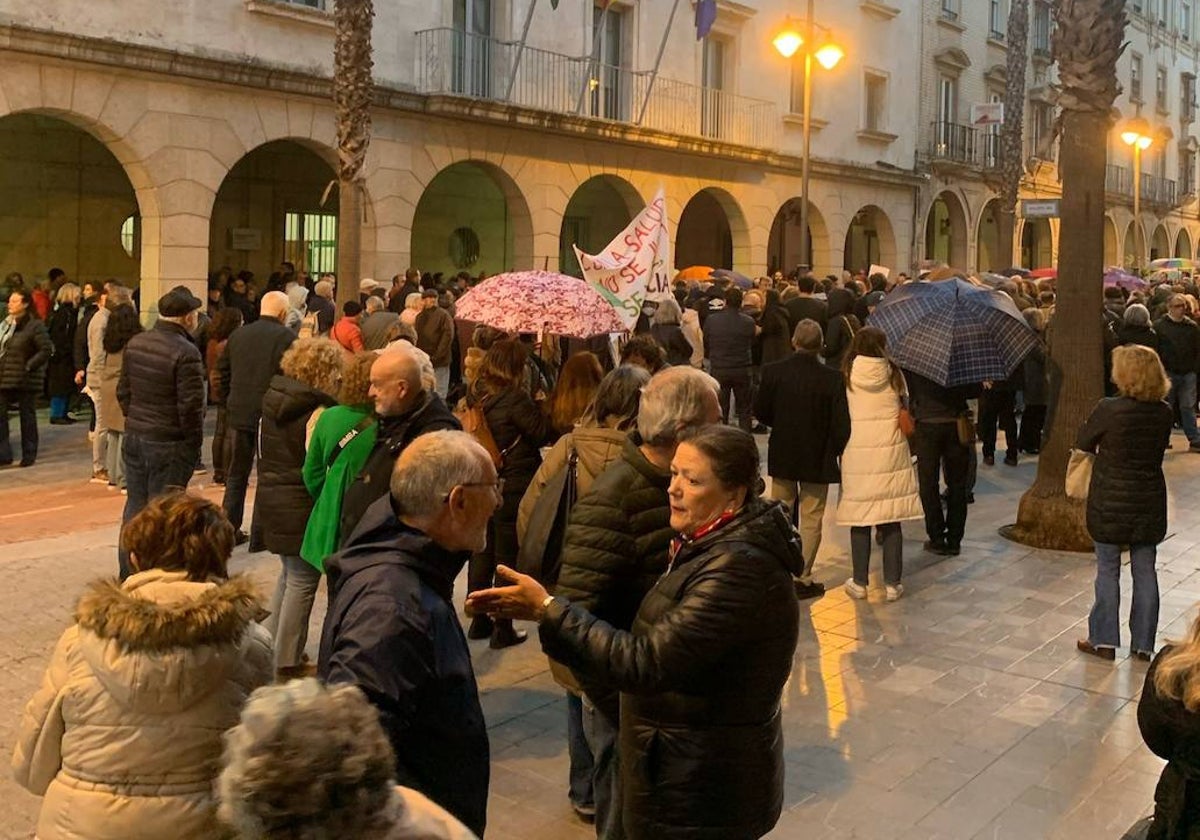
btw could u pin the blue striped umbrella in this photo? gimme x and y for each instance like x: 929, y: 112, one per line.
x: 953, y: 332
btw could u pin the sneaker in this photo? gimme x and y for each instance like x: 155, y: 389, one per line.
x: 99, y: 477
x: 894, y: 592
x: 855, y: 590
x: 812, y: 589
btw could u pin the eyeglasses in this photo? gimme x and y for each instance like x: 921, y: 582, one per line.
x: 497, y: 485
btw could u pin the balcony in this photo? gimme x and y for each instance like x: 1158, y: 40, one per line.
x: 961, y: 144
x: 1117, y: 180
x: 451, y: 62
x: 1156, y: 191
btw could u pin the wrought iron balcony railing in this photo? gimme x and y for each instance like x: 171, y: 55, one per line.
x: 1117, y: 180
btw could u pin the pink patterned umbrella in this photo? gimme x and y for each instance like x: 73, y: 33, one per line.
x: 531, y: 301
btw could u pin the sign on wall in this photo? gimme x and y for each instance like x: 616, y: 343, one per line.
x: 987, y: 113
x: 245, y: 239
x: 1041, y: 208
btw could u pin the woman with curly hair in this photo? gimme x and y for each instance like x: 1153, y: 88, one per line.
x: 123, y: 739
x: 223, y: 324
x: 309, y: 762
x: 311, y: 375
x: 123, y: 324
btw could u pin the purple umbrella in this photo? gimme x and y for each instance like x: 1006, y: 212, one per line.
x: 735, y: 277
x: 1128, y: 282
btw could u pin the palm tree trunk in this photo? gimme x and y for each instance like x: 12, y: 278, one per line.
x: 352, y: 88
x: 1012, y: 152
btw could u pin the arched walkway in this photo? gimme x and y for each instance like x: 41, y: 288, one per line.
x: 1037, y: 244
x: 1183, y: 244
x: 1110, y: 242
x: 472, y: 216
x: 869, y: 241
x: 1160, y: 245
x: 946, y: 230
x: 712, y: 231
x: 1135, y: 241
x: 268, y: 209
x: 989, y: 256
x: 66, y: 202
x: 784, y: 246
x: 599, y: 209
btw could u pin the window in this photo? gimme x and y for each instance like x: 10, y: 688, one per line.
x: 310, y: 241
x: 950, y: 9
x: 1159, y: 166
x: 606, y: 82
x: 472, y: 47
x: 949, y: 139
x: 996, y: 20
x: 1187, y: 171
x: 875, y: 102
x: 1160, y: 89
x: 1041, y: 130
x: 1135, y: 78
x: 1164, y: 12
x: 714, y: 80
x: 991, y: 137
x: 1185, y: 19
x: 1041, y: 28
x: 130, y: 230
x: 1187, y: 97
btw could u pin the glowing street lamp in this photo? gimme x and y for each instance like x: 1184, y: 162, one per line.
x: 1137, y: 135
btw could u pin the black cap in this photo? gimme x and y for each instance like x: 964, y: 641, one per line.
x: 178, y: 302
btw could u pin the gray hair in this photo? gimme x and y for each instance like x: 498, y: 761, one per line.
x: 668, y: 312
x: 413, y: 300
x: 373, y: 304
x: 323, y: 288
x: 808, y: 337
x: 433, y: 465
x: 117, y: 295
x: 672, y: 401
x: 306, y: 762
x: 1137, y: 315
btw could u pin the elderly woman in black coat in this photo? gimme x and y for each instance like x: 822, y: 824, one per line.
x: 1127, y: 499
x: 25, y: 349
x: 703, y: 669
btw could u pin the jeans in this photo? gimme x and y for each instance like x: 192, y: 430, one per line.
x: 116, y: 459
x: 893, y: 552
x: 1183, y: 403
x: 222, y: 444
x: 152, y: 467
x: 737, y: 382
x: 59, y: 406
x: 291, y: 607
x: 1104, y: 621
x: 442, y: 376
x: 812, y: 498
x: 601, y: 731
x: 938, y: 449
x: 27, y: 410
x: 580, y: 790
x: 237, y: 477
x: 997, y: 408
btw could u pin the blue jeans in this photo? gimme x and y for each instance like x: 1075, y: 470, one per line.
x: 152, y: 467
x: 1104, y: 622
x: 580, y: 790
x: 1183, y: 403
x: 59, y: 406
x: 601, y: 733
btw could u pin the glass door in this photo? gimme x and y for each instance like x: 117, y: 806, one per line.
x: 472, y: 45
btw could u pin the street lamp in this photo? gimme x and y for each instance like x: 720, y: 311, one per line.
x: 789, y: 40
x: 1137, y: 134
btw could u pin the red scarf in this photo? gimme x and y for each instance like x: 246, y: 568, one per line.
x: 704, y: 530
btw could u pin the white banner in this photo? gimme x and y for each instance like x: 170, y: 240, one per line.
x: 636, y: 265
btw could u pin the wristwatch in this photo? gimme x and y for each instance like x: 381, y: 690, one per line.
x: 545, y: 606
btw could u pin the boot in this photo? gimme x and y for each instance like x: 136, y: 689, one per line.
x: 481, y: 627
x: 504, y: 635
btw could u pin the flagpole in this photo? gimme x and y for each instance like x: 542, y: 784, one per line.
x: 512, y: 79
x: 662, y: 47
x: 587, y: 77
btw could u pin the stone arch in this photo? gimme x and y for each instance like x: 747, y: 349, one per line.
x: 1135, y: 244
x: 1183, y: 244
x: 712, y: 230
x: 945, y: 229
x: 472, y: 216
x: 870, y: 239
x: 783, y: 249
x: 599, y: 209
x: 989, y: 255
x: 1111, y: 256
x: 1160, y: 244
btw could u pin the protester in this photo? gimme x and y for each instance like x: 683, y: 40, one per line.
x: 166, y: 661
x: 391, y: 628
x: 413, y: 306
x: 1136, y: 328
x: 843, y: 324
x: 92, y: 299
x: 879, y: 486
x: 804, y: 403
x: 403, y: 287
x: 1034, y: 387
x: 308, y: 761
x: 114, y: 296
x: 666, y: 328
x: 728, y: 341
x: 435, y: 334
x: 803, y: 305
x: 775, y: 339
x: 320, y: 302
x: 997, y: 410
x: 346, y: 332
x: 1127, y: 499
x: 573, y: 392
x: 1179, y: 350
x: 239, y: 294
x: 123, y: 325
x: 310, y: 375
x: 251, y: 358
x: 375, y: 323
x: 227, y: 320
x: 297, y: 309
x: 644, y: 352
x: 60, y: 372
x: 25, y: 348
x: 717, y: 631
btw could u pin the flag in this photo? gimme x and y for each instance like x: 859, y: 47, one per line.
x: 706, y: 16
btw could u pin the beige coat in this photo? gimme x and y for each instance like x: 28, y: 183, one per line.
x: 123, y: 739
x: 879, y: 483
x: 412, y: 815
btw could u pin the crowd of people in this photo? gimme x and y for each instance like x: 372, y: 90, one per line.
x: 395, y: 446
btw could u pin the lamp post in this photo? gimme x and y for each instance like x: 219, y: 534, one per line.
x: 787, y: 42
x: 1137, y: 134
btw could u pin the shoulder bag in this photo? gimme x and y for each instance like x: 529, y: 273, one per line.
x: 474, y: 422
x: 540, y: 554
x: 1079, y: 474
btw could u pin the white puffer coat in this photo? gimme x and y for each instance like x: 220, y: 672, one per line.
x: 124, y: 737
x: 879, y: 483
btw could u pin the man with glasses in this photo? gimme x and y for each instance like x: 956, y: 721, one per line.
x: 1179, y: 350
x: 391, y: 628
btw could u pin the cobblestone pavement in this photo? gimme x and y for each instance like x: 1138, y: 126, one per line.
x: 961, y: 711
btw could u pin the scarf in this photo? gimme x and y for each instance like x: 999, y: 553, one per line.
x: 678, y: 543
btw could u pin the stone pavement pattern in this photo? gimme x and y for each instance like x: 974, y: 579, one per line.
x: 961, y: 711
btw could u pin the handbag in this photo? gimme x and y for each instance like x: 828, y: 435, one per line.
x: 908, y: 426
x: 540, y: 554
x: 474, y: 422
x: 1079, y: 474
x: 965, y: 424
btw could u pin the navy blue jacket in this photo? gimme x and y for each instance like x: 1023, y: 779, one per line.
x: 391, y: 630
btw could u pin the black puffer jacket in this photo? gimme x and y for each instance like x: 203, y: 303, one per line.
x: 1127, y: 499
x: 1131, y: 334
x: 283, y: 503
x: 729, y: 339
x: 671, y: 338
x: 701, y: 677
x: 23, y: 362
x: 519, y: 428
x: 1172, y: 733
x: 161, y: 389
x: 1178, y: 344
x: 64, y: 321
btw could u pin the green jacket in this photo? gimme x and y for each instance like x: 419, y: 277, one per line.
x: 328, y: 486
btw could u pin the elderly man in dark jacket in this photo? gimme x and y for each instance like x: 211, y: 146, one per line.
x: 161, y: 392
x: 391, y: 627
x: 616, y: 548
x: 804, y: 403
x: 1179, y: 349
x: 435, y: 333
x: 245, y: 369
x: 729, y: 345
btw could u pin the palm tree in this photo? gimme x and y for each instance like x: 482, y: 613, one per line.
x: 352, y: 89
x: 1011, y: 153
x: 1088, y: 41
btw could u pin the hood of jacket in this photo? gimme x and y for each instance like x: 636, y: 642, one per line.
x: 381, y: 539
x: 160, y: 643
x: 597, y: 447
x: 763, y: 524
x: 288, y: 400
x: 868, y: 373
